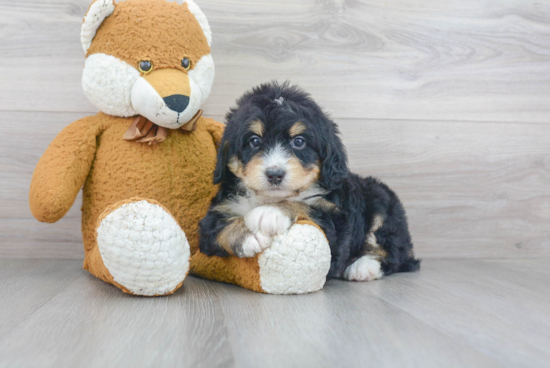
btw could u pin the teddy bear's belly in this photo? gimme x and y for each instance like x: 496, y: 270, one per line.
x: 177, y: 173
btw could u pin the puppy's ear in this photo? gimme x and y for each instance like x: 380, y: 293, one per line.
x: 334, y: 160
x: 221, y: 164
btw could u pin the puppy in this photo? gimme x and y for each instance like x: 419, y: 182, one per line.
x: 281, y: 161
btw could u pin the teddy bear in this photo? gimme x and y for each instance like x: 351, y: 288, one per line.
x: 145, y: 161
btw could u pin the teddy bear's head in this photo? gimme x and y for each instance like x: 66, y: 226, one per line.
x: 149, y: 58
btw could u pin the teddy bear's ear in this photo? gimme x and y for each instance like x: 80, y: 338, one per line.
x: 201, y: 18
x: 99, y: 10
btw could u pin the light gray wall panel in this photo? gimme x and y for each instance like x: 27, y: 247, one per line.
x: 470, y: 189
x: 448, y: 102
x: 453, y: 60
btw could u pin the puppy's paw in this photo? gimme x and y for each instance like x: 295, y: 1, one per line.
x: 254, y: 244
x: 366, y: 268
x: 268, y: 220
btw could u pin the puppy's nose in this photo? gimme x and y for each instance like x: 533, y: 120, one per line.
x: 178, y: 103
x: 275, y: 176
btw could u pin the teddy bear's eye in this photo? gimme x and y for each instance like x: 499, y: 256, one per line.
x: 186, y: 63
x: 145, y: 66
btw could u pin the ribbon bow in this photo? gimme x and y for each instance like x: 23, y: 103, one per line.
x: 144, y: 131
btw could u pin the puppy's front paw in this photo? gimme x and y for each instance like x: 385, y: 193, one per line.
x: 364, y: 269
x: 254, y: 244
x: 267, y: 220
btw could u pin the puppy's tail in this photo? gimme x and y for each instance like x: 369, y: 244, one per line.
x: 410, y: 265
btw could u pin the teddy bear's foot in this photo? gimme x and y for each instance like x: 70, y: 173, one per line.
x: 297, y: 262
x: 144, y: 248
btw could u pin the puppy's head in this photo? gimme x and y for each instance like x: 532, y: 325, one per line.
x: 279, y: 143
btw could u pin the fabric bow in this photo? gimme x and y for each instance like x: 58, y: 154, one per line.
x: 143, y: 130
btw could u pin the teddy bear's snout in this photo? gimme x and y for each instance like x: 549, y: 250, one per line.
x: 165, y: 97
x: 178, y: 103
x: 170, y: 84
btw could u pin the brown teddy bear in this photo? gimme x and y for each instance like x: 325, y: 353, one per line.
x: 145, y: 161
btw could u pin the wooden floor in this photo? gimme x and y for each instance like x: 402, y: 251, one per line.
x: 465, y: 313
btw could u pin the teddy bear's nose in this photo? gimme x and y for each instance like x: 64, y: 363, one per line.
x: 177, y: 103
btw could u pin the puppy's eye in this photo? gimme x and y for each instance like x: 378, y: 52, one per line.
x: 186, y: 63
x: 255, y: 141
x: 145, y: 66
x: 298, y: 143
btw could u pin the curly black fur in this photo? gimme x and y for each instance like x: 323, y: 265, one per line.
x: 358, y: 201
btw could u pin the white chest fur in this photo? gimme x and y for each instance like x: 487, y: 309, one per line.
x: 241, y: 205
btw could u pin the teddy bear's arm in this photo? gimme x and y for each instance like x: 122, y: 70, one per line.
x: 216, y: 130
x: 62, y: 170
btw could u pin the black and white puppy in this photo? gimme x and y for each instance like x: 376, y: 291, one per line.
x: 280, y: 161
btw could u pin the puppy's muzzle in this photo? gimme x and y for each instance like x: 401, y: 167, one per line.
x: 275, y: 176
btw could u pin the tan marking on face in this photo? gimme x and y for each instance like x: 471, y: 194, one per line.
x: 297, y: 179
x: 232, y: 237
x: 236, y: 166
x: 143, y: 32
x: 253, y: 174
x: 296, y: 129
x: 257, y: 127
x: 301, y: 178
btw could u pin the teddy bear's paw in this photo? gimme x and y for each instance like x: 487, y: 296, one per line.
x: 254, y: 244
x: 366, y: 268
x: 268, y: 220
x: 297, y: 261
x: 144, y: 248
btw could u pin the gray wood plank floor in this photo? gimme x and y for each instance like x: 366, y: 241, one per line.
x: 454, y: 313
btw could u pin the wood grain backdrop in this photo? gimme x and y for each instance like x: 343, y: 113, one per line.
x: 448, y: 102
